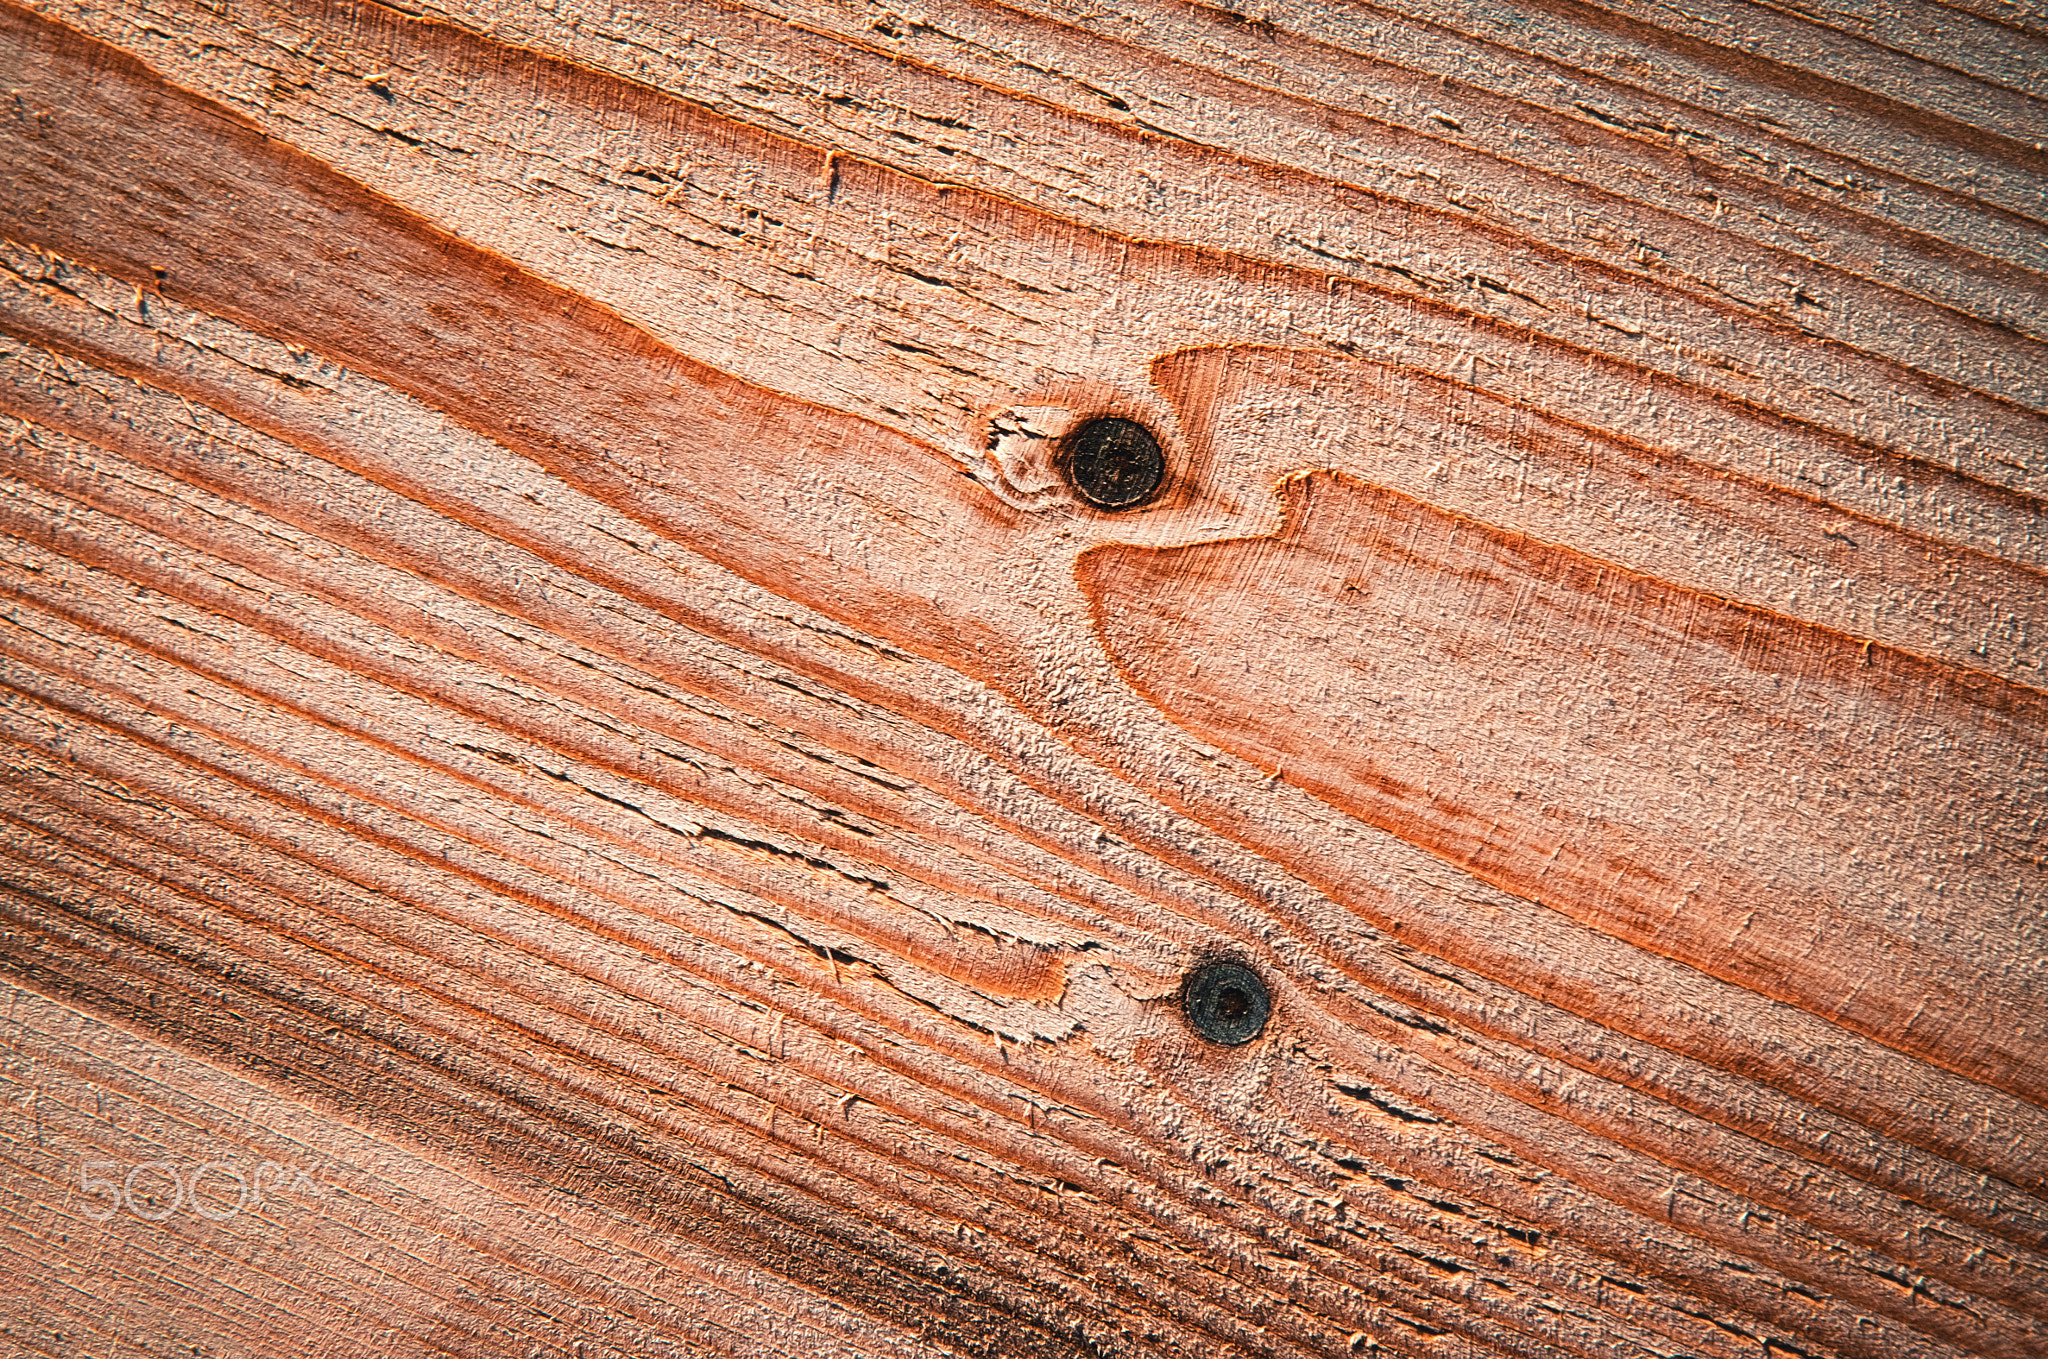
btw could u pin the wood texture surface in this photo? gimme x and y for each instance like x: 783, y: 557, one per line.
x: 562, y: 722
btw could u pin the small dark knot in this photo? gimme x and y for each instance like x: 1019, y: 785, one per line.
x: 1114, y: 463
x: 1226, y: 1003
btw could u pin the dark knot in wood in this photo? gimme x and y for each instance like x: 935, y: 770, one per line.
x: 1114, y: 463
x: 1226, y: 1003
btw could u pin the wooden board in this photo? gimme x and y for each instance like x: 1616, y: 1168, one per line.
x: 579, y: 780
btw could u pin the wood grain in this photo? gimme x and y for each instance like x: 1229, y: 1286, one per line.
x: 549, y: 678
x: 1516, y: 708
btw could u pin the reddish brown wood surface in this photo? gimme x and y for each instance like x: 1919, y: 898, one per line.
x: 559, y: 713
x: 1712, y: 781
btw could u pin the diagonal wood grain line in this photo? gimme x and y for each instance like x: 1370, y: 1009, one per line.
x: 188, y: 1101
x: 1281, y: 82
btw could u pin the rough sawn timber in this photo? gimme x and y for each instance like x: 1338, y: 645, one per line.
x: 559, y: 716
